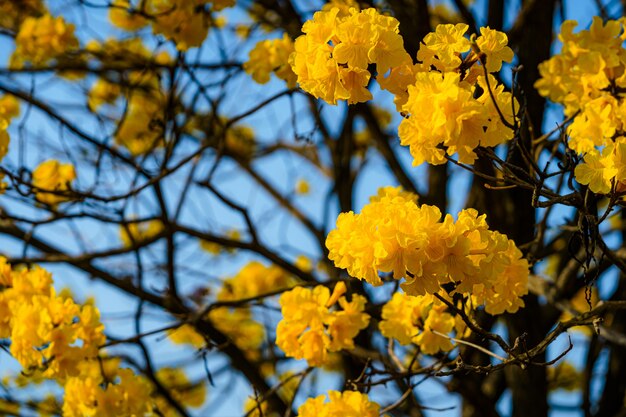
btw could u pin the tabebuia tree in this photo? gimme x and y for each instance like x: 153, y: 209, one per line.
x: 319, y: 208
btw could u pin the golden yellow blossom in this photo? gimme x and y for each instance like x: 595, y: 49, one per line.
x: 185, y: 22
x: 42, y: 39
x: 331, y: 59
x: 129, y: 395
x: 310, y: 330
x: 302, y: 187
x: 123, y: 15
x: 345, y: 404
x: 271, y: 56
x: 394, y: 234
x: 182, y: 390
x: 136, y: 232
x: 51, y: 177
x: 9, y: 107
x: 50, y: 335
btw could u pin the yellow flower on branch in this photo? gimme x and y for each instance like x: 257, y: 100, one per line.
x: 310, y: 330
x: 43, y: 39
x: 53, y: 181
x: 394, y: 234
x: 345, y: 404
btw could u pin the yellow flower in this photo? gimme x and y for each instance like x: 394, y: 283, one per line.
x: 186, y: 335
x: 103, y: 92
x: 331, y: 59
x: 430, y: 342
x: 596, y: 171
x: 410, y: 319
x: 271, y: 56
x: 445, y: 117
x: 443, y: 47
x: 393, y: 234
x: 507, y: 287
x: 304, y: 263
x: 9, y: 107
x: 181, y: 390
x: 52, y: 177
x: 345, y: 404
x: 185, y: 22
x: 141, y: 130
x: 240, y: 142
x: 50, y: 335
x: 129, y: 395
x: 494, y: 45
x: 124, y: 16
x: 43, y: 39
x: 302, y: 187
x: 310, y: 330
x: 134, y: 233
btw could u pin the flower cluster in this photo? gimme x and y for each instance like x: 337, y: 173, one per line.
x: 394, y: 234
x: 141, y: 128
x: 588, y: 77
x: 421, y: 320
x: 309, y: 329
x: 127, y: 395
x: 448, y: 102
x: 181, y: 389
x: 53, y: 181
x: 43, y: 39
x: 332, y: 58
x: 9, y: 109
x: 451, y: 105
x: 49, y: 333
x: 185, y: 22
x: 136, y: 232
x: 345, y: 404
x: 271, y: 56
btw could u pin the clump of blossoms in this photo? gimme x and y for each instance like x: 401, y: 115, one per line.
x: 185, y: 22
x: 127, y: 395
x: 48, y: 332
x: 588, y: 77
x: 422, y: 320
x: 271, y: 56
x: 446, y: 96
x: 393, y: 234
x: 332, y: 58
x: 136, y: 232
x: 141, y: 127
x: 310, y: 329
x: 9, y: 109
x: 448, y: 104
x: 184, y: 391
x: 43, y: 39
x: 345, y: 404
x: 52, y: 179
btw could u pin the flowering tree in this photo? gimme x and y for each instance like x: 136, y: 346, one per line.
x: 274, y: 208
